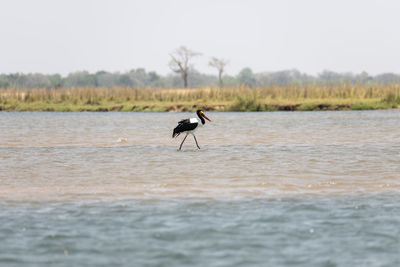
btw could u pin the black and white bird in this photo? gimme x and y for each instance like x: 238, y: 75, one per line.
x: 189, y: 126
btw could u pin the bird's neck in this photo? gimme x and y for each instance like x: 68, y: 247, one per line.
x: 202, y: 120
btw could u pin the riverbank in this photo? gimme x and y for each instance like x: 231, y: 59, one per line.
x: 274, y: 98
x: 184, y: 107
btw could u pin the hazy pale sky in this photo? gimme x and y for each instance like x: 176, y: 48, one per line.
x: 62, y: 36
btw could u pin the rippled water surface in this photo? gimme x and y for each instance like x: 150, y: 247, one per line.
x: 276, y: 189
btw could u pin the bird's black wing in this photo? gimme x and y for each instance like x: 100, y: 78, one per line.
x: 184, y: 121
x: 183, y: 126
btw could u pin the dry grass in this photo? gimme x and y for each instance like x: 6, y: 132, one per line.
x: 240, y: 99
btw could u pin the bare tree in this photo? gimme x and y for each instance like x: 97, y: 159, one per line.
x: 180, y: 62
x: 220, y: 65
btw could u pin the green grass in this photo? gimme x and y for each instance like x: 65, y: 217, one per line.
x: 273, y: 98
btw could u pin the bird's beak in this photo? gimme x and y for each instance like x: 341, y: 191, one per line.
x: 204, y: 115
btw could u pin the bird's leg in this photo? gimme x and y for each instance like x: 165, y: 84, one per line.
x: 196, y: 142
x: 182, y: 142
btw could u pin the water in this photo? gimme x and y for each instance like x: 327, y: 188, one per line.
x: 275, y: 189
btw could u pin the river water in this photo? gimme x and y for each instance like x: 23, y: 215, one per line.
x: 272, y: 189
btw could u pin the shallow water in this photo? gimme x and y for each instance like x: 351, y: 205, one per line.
x: 295, y: 188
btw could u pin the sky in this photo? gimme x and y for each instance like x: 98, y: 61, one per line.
x: 63, y: 36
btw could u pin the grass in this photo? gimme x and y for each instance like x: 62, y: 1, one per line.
x: 272, y: 98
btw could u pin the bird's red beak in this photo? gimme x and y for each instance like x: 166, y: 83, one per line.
x: 204, y: 115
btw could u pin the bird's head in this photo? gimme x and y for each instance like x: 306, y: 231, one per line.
x: 201, y: 115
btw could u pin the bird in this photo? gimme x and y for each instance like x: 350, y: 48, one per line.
x: 189, y: 126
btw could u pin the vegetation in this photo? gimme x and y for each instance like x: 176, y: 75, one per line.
x: 141, y: 78
x: 180, y: 62
x: 139, y: 90
x: 267, y: 98
x: 219, y: 64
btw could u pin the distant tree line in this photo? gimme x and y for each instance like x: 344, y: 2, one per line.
x: 142, y: 78
x: 185, y: 75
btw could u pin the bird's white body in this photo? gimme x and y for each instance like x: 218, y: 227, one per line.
x: 194, y: 120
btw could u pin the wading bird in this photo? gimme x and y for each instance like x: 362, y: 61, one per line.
x: 189, y: 126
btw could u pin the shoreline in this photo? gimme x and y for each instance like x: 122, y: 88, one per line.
x: 151, y: 107
x: 242, y: 99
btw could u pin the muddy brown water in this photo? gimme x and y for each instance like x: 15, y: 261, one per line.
x: 266, y: 189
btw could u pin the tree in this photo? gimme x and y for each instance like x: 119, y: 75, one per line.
x: 80, y: 79
x: 219, y: 64
x: 180, y: 62
x: 246, y: 78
